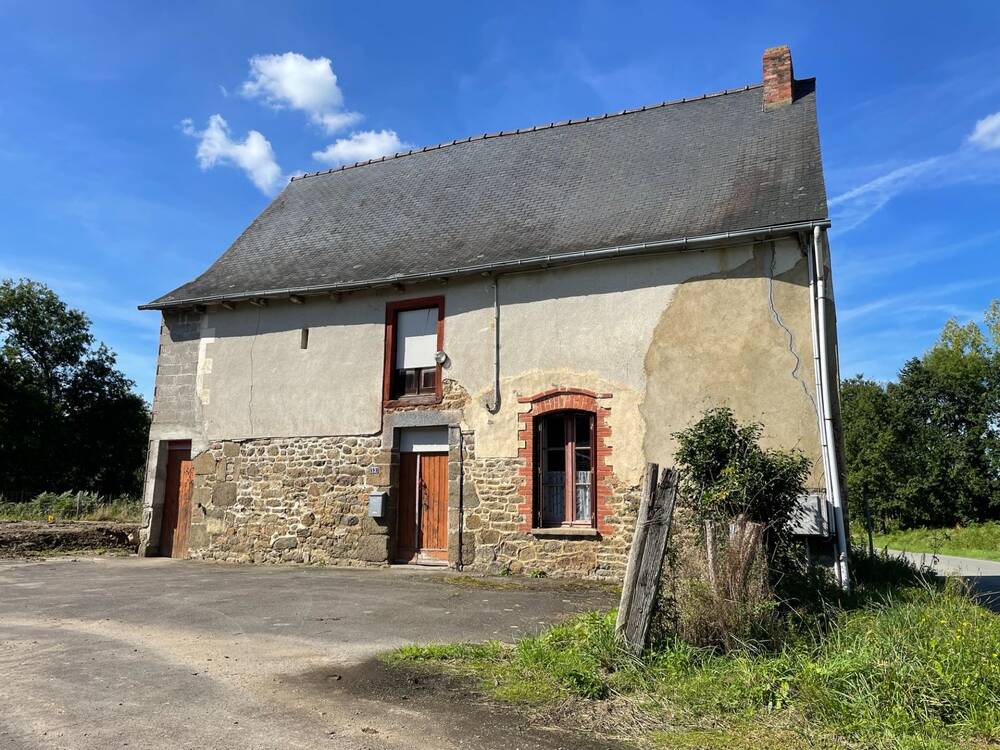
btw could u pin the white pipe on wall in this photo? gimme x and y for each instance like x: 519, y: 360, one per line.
x: 830, y: 463
x: 494, y: 407
x: 818, y: 370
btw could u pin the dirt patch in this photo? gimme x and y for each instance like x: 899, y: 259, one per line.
x: 453, y: 706
x: 31, y: 538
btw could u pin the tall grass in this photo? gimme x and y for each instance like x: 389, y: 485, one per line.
x: 979, y: 540
x: 917, y: 668
x: 72, y: 506
x: 923, y: 664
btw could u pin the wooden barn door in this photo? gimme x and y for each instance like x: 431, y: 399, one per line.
x: 177, y: 493
x: 406, y: 517
x: 434, y: 505
x: 422, y: 531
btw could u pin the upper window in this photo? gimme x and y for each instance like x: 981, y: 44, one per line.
x: 565, y: 469
x: 414, y: 331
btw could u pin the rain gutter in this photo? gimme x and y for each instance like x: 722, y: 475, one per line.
x: 508, y: 266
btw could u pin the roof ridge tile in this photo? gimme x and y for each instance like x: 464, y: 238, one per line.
x: 535, y: 128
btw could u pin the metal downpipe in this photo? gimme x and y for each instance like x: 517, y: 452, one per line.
x: 831, y: 466
x: 818, y: 372
x: 494, y: 407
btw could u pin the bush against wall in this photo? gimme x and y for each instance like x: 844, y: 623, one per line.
x: 69, y: 419
x: 741, y: 500
x: 726, y: 474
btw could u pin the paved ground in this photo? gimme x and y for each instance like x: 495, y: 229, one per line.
x: 154, y: 653
x: 982, y: 575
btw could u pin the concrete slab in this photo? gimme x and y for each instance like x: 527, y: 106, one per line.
x: 104, y: 652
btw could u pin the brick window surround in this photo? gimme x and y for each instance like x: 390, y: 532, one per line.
x: 547, y: 402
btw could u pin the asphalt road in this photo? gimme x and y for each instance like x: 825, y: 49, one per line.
x: 982, y: 575
x: 155, y: 653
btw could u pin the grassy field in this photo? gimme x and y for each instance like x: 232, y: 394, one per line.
x: 63, y: 507
x: 980, y: 541
x: 917, y: 669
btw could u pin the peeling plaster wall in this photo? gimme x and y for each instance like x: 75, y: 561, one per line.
x: 589, y: 324
x: 665, y: 335
x: 740, y: 339
x: 261, y: 383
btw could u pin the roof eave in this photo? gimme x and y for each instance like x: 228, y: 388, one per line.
x: 500, y: 267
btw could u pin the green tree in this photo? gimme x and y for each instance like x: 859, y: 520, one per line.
x: 69, y: 419
x: 40, y: 332
x: 872, y: 447
x: 926, y: 450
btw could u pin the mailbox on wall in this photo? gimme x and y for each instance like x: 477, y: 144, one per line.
x: 378, y: 501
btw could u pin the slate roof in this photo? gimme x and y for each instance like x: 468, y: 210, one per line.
x: 690, y: 168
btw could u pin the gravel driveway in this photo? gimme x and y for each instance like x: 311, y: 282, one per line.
x: 156, y: 653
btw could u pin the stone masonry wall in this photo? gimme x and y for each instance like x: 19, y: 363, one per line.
x: 453, y: 396
x: 495, y: 522
x: 306, y: 500
x: 290, y: 500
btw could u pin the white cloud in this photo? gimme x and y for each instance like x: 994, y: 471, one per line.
x: 857, y: 205
x: 296, y: 81
x: 253, y: 154
x: 334, y: 121
x: 915, y: 301
x: 368, y: 144
x: 986, y: 134
x: 967, y: 164
x: 290, y: 81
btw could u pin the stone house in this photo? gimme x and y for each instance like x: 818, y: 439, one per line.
x: 466, y: 354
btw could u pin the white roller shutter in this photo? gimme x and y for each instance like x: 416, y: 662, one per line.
x: 416, y: 338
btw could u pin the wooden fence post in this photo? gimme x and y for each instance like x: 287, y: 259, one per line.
x: 645, y: 565
x: 710, y: 554
x: 638, y: 542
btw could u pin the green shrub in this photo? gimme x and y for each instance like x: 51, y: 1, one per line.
x: 727, y: 474
x: 883, y: 572
x: 742, y: 499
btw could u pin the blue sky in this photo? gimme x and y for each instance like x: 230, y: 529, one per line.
x: 138, y: 139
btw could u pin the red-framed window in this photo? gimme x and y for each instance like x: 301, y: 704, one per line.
x: 565, y: 461
x: 414, y: 333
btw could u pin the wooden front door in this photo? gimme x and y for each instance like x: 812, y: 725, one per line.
x: 422, y: 526
x: 177, y: 502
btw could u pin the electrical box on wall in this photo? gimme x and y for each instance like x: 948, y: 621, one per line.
x: 378, y: 501
x: 812, y: 517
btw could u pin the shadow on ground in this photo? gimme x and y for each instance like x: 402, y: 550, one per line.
x: 986, y: 590
x: 450, y: 703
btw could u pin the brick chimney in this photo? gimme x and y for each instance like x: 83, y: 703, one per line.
x: 778, y: 80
